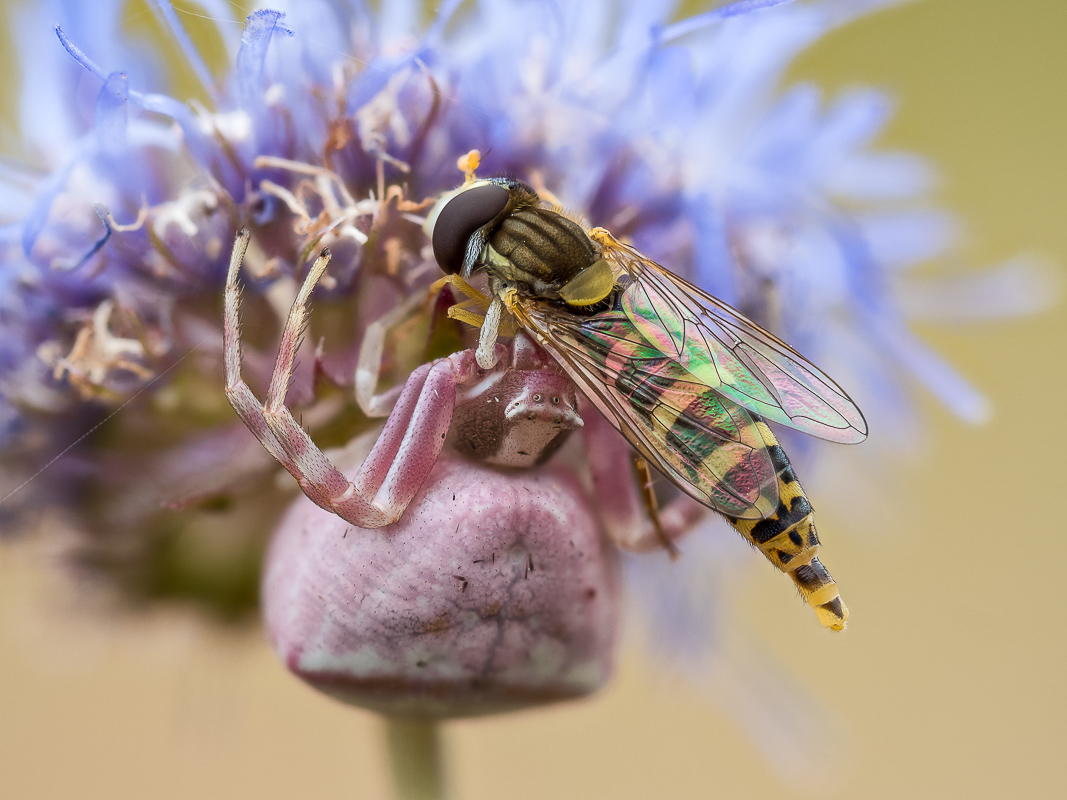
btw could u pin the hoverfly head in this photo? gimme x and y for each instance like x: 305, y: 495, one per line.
x: 461, y: 221
x: 456, y: 218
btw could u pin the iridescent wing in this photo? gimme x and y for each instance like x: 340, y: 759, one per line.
x: 709, y: 446
x: 727, y: 352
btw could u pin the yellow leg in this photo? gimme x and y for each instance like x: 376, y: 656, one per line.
x: 648, y: 492
x: 463, y: 315
x: 480, y: 299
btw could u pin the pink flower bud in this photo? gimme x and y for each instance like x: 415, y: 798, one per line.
x: 495, y: 591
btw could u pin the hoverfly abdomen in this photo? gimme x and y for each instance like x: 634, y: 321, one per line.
x: 789, y: 541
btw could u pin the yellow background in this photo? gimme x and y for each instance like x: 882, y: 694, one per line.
x: 949, y: 682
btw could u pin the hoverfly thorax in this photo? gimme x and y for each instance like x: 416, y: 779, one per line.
x: 499, y: 225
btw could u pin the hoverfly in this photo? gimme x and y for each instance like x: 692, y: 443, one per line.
x: 685, y: 378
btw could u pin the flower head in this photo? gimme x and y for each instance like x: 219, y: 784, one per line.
x: 333, y: 127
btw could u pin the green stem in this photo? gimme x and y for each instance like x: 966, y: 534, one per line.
x: 415, y: 756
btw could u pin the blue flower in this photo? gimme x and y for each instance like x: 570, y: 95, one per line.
x: 119, y: 211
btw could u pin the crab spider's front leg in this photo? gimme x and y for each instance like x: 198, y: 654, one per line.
x: 406, y: 450
x: 414, y: 434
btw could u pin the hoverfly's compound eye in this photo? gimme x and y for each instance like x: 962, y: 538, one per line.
x: 461, y: 216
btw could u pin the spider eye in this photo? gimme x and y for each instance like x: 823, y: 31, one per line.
x: 459, y: 217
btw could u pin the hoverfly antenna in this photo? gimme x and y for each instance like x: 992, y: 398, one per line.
x: 458, y: 219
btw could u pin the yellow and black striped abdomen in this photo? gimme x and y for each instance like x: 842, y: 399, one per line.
x: 789, y: 540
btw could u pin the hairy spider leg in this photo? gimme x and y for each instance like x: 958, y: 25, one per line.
x: 371, y: 353
x: 404, y: 453
x: 414, y: 435
x: 372, y: 349
x: 242, y: 399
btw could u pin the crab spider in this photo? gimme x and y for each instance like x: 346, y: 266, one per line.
x: 512, y: 416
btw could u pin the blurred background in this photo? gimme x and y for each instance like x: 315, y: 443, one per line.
x: 948, y: 682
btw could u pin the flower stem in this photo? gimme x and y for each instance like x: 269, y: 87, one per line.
x: 415, y: 757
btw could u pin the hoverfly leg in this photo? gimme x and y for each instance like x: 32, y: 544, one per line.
x: 648, y: 492
x: 492, y: 322
x: 465, y: 315
x: 479, y: 298
x: 465, y: 311
x: 624, y: 513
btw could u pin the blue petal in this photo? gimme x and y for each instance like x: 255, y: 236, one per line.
x: 701, y: 21
x: 1018, y: 287
x: 165, y: 11
x: 854, y: 120
x: 78, y: 55
x: 943, y: 381
x: 322, y: 34
x: 95, y: 247
x: 109, y: 123
x: 881, y: 176
x: 713, y: 265
x: 398, y: 20
x: 260, y: 26
x: 159, y: 103
x: 37, y: 217
x: 899, y: 239
x: 375, y: 76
